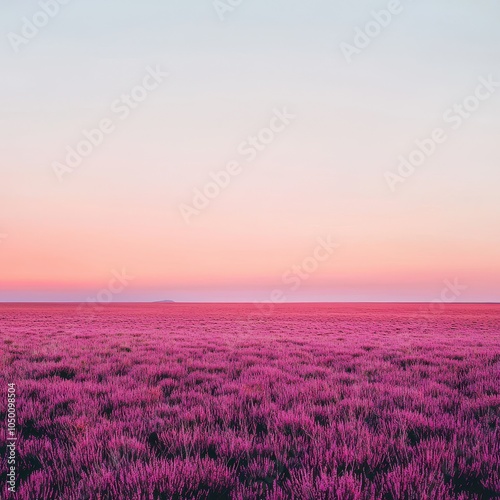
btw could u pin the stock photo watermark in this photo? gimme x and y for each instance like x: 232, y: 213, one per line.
x: 30, y: 28
x: 454, y: 118
x: 121, y: 109
x: 429, y: 312
x: 295, y: 276
x: 224, y: 7
x: 449, y: 294
x: 249, y: 149
x: 363, y: 37
x: 119, y: 281
x: 11, y: 437
x: 292, y: 279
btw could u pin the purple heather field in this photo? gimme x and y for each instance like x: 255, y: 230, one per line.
x: 210, y: 401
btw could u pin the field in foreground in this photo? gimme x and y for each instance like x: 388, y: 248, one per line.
x: 317, y: 401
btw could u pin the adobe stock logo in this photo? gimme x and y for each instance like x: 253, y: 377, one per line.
x: 363, y: 37
x: 454, y: 117
x: 222, y: 7
x: 249, y: 149
x: 31, y: 27
x: 95, y: 137
x: 449, y: 294
x: 298, y: 273
x: 292, y: 279
x: 117, y: 284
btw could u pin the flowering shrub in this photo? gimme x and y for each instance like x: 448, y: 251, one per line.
x: 319, y: 401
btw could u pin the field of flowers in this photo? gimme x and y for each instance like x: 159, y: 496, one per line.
x: 315, y: 401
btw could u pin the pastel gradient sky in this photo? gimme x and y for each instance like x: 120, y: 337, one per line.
x: 323, y: 175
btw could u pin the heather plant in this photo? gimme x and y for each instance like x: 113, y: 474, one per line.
x: 315, y: 401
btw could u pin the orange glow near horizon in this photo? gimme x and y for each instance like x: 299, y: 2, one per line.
x: 221, y: 176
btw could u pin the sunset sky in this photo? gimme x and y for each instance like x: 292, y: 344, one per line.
x: 322, y: 175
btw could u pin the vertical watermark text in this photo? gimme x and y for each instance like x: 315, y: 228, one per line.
x: 11, y: 437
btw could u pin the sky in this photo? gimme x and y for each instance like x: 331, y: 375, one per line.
x: 252, y: 151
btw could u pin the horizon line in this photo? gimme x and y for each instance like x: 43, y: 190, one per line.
x: 173, y: 302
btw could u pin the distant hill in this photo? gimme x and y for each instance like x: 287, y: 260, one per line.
x: 164, y: 302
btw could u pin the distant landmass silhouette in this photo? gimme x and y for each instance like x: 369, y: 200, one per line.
x: 165, y: 302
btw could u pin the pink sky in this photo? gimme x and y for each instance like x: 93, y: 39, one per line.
x: 318, y: 174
